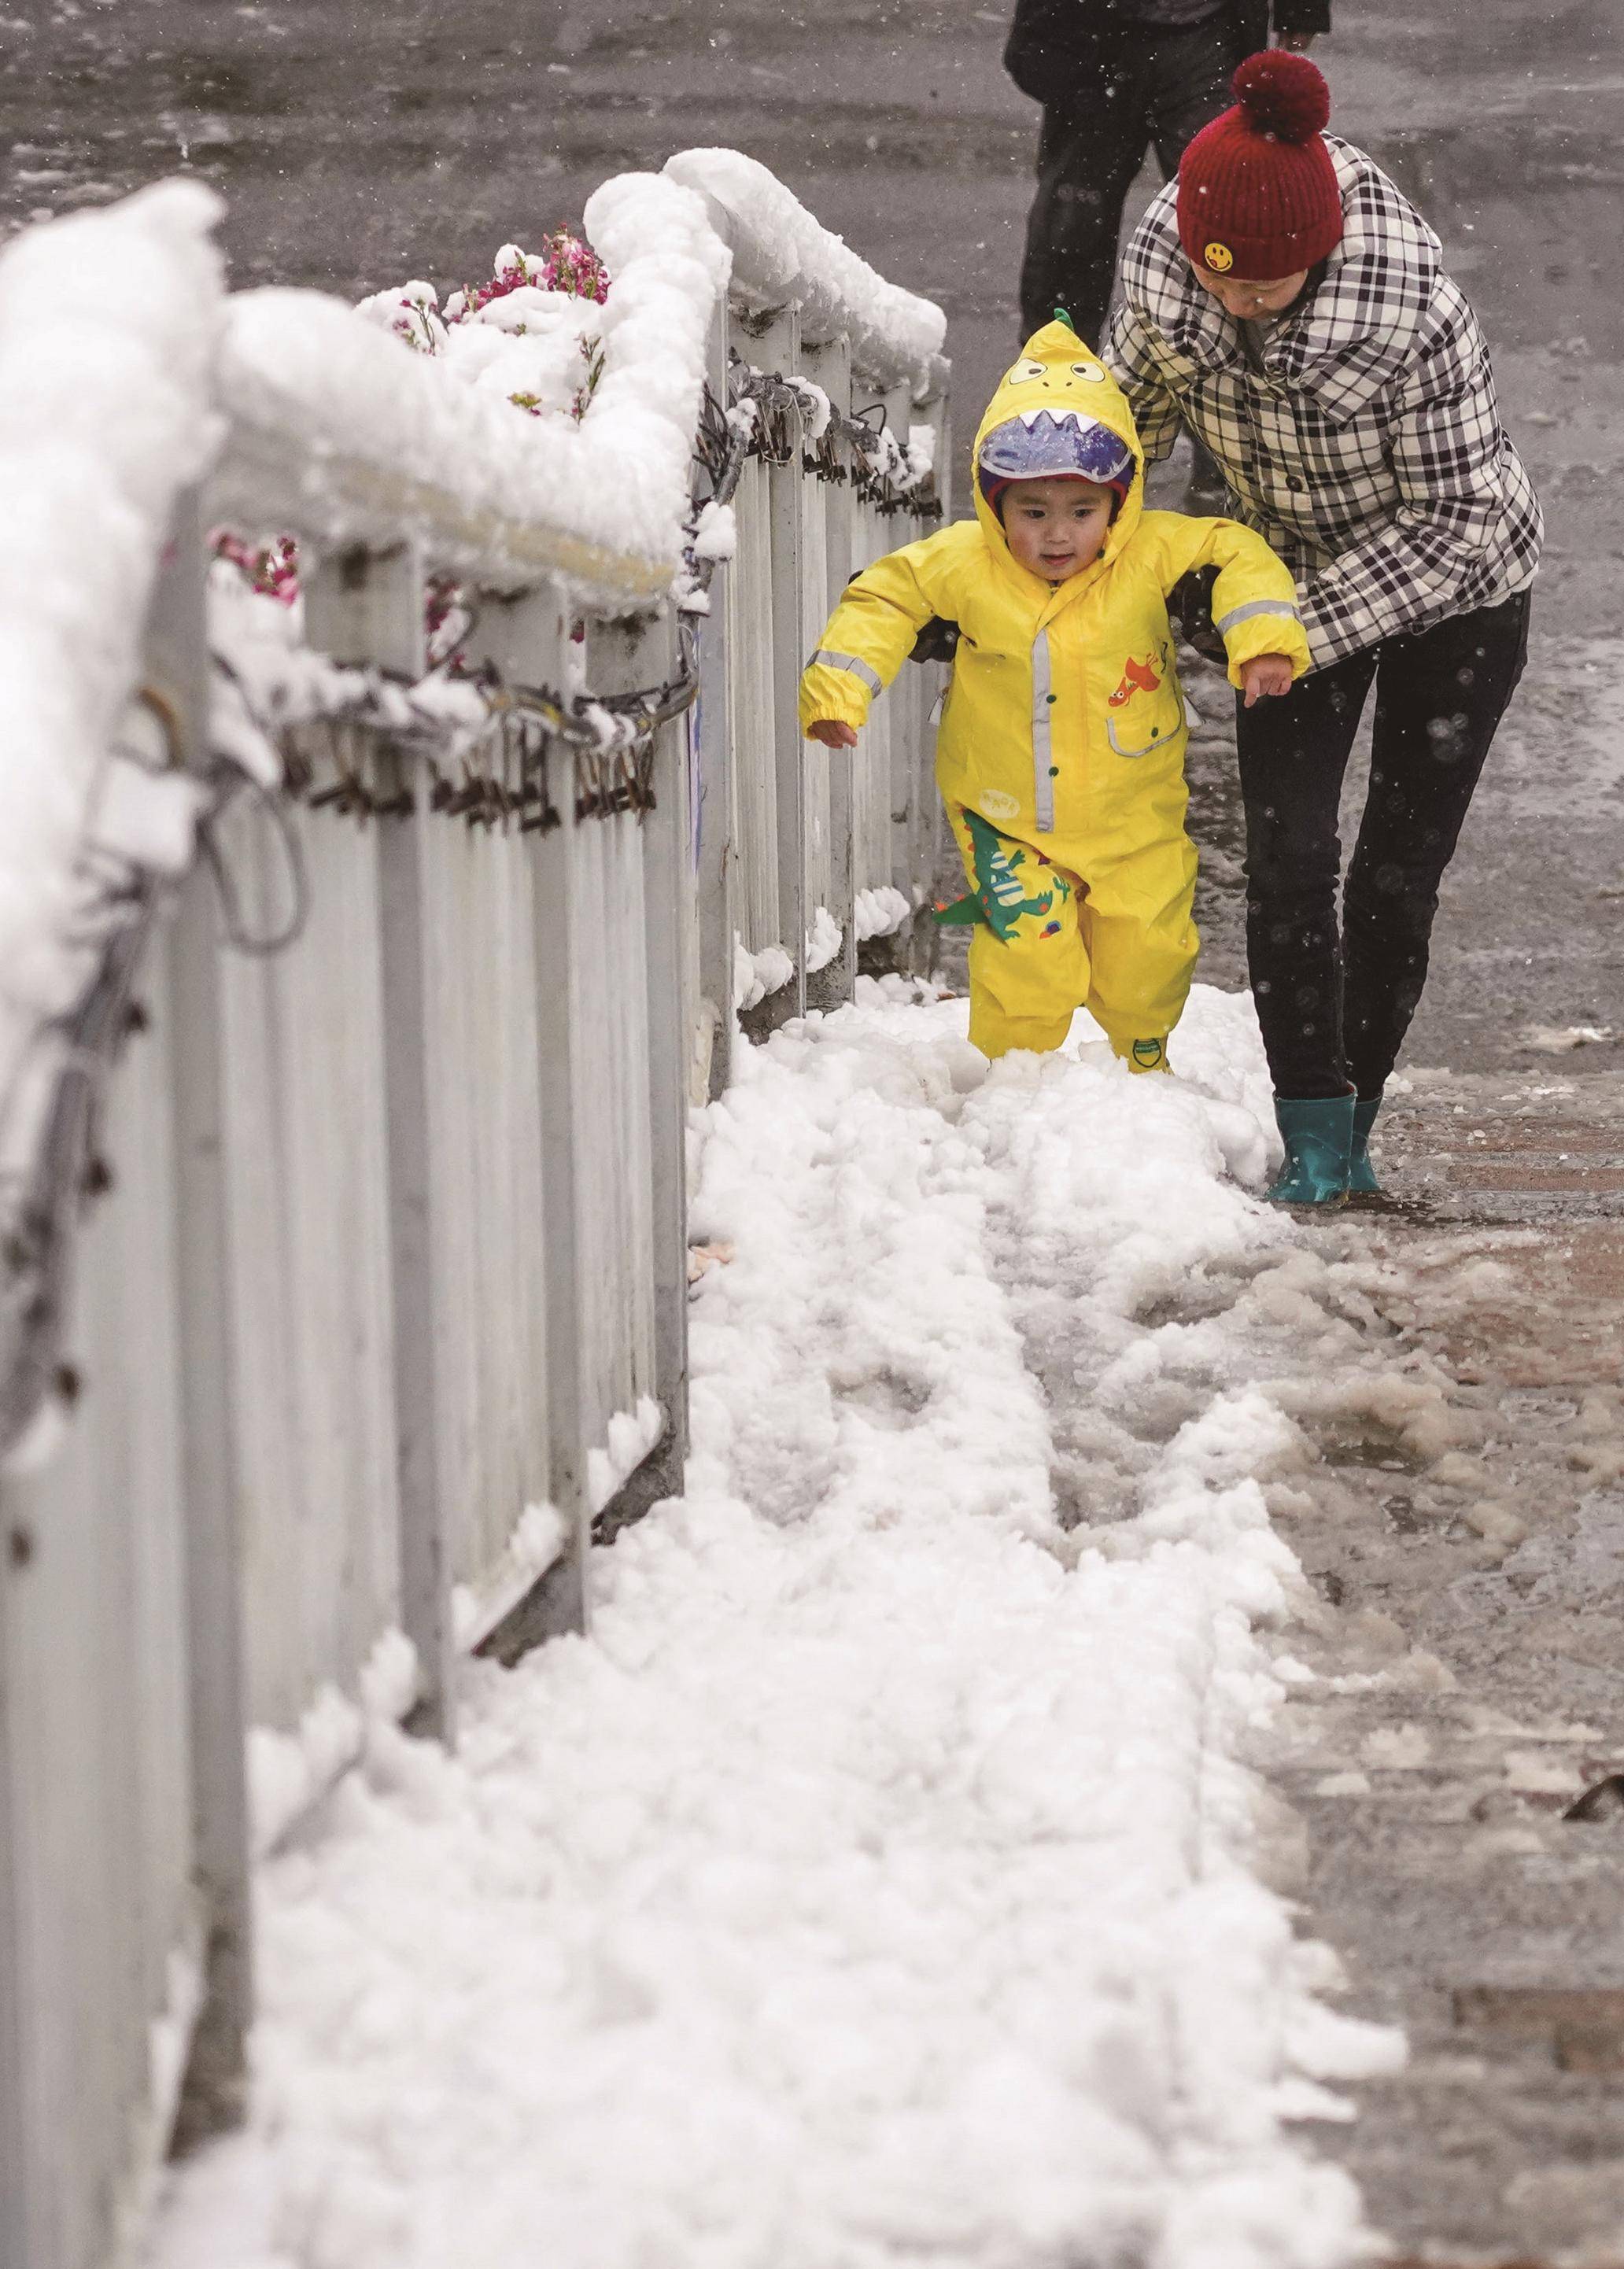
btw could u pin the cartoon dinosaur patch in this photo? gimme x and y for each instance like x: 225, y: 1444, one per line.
x: 1000, y: 897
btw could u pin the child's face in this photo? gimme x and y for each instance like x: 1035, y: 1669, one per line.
x: 1056, y: 529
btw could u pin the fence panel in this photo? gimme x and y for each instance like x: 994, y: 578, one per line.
x: 747, y: 598
x: 306, y: 1143
x: 670, y: 974
x: 780, y: 351
x: 712, y: 728
x: 639, y: 1044
x: 830, y: 505
x: 104, y: 1963
x: 615, y: 1184
x: 558, y: 938
x: 490, y: 1215
x: 874, y: 856
x: 819, y: 764
x: 216, y: 1609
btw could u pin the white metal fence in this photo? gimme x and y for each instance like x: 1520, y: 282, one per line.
x: 387, y: 1300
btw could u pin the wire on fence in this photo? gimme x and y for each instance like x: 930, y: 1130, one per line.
x: 39, y: 1208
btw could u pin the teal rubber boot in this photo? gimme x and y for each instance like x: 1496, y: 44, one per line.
x: 1362, y: 1182
x: 1318, y: 1135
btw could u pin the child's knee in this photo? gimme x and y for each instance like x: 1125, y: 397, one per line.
x: 1037, y: 968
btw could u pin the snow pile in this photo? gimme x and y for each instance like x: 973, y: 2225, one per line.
x: 824, y: 940
x: 755, y: 975
x: 289, y: 1772
x: 716, y: 532
x: 876, y: 913
x: 632, y: 1436
x: 1561, y: 1040
x: 881, y: 912
x: 879, y: 1883
x: 780, y: 252
x: 109, y: 326
x: 342, y: 434
x: 538, y: 1541
x: 536, y: 350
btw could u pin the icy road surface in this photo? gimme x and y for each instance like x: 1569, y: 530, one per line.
x: 885, y: 1879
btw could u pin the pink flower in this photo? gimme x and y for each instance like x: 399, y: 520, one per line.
x: 271, y: 569
x: 564, y: 264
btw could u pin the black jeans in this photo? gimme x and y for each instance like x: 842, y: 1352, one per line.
x: 1336, y: 1009
x: 1162, y: 89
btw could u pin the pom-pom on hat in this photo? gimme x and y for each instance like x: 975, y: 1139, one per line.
x: 1257, y: 194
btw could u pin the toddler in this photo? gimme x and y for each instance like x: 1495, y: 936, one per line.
x: 1060, y: 756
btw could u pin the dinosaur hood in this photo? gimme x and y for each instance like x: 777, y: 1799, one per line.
x: 1056, y: 373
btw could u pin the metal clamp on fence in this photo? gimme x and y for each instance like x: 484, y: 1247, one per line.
x: 791, y: 416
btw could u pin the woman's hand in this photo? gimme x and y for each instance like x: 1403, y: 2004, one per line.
x: 1267, y: 674
x: 833, y: 734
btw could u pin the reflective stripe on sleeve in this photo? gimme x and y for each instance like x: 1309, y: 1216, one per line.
x: 860, y: 669
x: 1258, y: 607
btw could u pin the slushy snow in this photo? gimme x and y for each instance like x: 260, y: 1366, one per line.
x: 883, y: 1881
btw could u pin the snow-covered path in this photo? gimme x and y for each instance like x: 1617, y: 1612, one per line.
x: 883, y: 1880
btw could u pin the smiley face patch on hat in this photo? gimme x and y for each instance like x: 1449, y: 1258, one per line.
x: 1219, y: 258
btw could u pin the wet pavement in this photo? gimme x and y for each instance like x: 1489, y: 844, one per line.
x: 1466, y: 1546
x: 1461, y: 1517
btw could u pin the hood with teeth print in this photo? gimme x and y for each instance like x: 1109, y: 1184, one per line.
x: 1065, y: 413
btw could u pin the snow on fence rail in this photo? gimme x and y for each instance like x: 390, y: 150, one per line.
x: 381, y: 1300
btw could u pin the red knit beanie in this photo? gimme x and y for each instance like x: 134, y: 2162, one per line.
x: 1258, y: 195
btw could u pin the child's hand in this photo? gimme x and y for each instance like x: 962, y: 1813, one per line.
x: 1266, y: 674
x: 834, y: 735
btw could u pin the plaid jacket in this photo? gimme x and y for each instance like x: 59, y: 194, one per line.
x: 1368, y: 450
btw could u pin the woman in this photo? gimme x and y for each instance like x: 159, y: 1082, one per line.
x: 1287, y: 303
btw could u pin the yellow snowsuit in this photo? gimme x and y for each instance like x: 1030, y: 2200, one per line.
x: 1060, y: 756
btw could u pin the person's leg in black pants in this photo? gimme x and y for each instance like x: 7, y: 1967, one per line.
x: 1162, y: 89
x: 1293, y: 752
x: 1331, y: 1017
x: 1439, y: 700
x: 1189, y: 85
x: 1088, y: 153
x: 1186, y: 99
